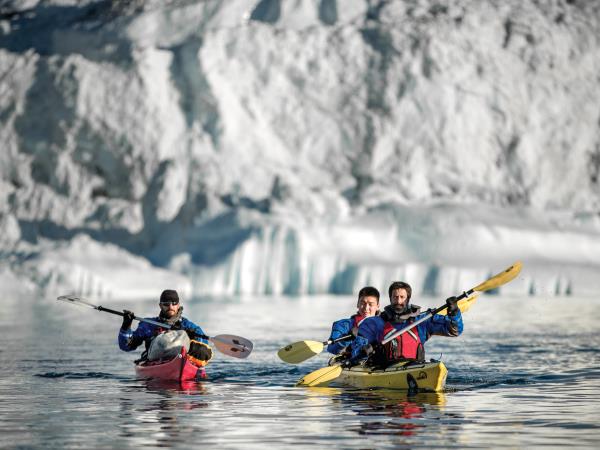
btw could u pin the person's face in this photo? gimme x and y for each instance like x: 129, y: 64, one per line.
x: 367, y: 306
x: 169, y: 309
x: 399, y: 298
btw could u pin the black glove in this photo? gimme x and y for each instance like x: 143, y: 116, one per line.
x: 127, y: 320
x: 200, y: 351
x: 368, y: 350
x: 346, y: 353
x: 347, y: 364
x: 452, y: 303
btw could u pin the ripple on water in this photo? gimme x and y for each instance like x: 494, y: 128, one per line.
x: 509, y: 386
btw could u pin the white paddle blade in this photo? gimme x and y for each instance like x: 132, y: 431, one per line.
x: 231, y: 345
x: 300, y: 351
x: 73, y: 299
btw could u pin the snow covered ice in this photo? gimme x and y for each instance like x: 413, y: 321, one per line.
x: 298, y: 147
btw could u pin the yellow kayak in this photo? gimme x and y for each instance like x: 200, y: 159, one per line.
x: 429, y: 376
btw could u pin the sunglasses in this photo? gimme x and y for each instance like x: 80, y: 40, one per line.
x: 168, y: 303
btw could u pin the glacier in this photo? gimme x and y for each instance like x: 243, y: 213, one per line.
x: 297, y: 147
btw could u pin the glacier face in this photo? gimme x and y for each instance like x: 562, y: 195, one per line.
x: 298, y: 146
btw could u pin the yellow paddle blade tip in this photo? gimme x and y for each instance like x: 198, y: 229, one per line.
x: 300, y: 351
x: 511, y: 273
x: 516, y: 267
x: 320, y: 376
x: 502, y: 278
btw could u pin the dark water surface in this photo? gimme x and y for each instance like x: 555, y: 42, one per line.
x: 525, y: 373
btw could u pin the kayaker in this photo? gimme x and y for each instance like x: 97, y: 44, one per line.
x: 367, y: 306
x: 397, y: 315
x: 171, y: 314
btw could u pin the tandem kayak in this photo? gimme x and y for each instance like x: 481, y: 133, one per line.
x: 427, y: 376
x: 180, y: 368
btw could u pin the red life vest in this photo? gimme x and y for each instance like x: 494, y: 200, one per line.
x: 357, y: 319
x: 406, y: 346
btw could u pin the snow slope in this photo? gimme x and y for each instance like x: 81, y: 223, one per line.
x: 281, y: 146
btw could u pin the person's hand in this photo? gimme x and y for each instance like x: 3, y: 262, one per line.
x: 452, y: 303
x: 337, y: 359
x: 128, y: 317
x: 368, y: 350
x: 346, y: 353
x: 346, y: 364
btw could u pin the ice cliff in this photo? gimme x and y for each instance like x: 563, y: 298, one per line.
x: 298, y: 146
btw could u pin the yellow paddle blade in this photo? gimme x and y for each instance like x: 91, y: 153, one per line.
x: 300, y: 351
x: 501, y: 278
x: 464, y: 305
x: 320, y: 376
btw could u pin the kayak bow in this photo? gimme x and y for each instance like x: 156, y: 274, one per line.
x: 180, y: 368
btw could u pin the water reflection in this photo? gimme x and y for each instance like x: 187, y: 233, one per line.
x: 528, y: 396
x: 386, y: 411
x: 159, y: 418
x: 404, y: 414
x: 175, y: 387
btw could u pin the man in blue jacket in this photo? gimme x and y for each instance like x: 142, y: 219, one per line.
x: 367, y: 306
x: 170, y: 314
x: 400, y: 313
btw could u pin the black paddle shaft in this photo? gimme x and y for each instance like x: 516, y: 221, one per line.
x: 112, y: 311
x: 444, y: 306
x: 343, y: 338
x: 122, y: 314
x: 430, y: 313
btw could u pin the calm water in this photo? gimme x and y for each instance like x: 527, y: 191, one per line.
x: 525, y: 373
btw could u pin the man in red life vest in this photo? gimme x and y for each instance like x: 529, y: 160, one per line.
x: 367, y: 306
x: 397, y: 315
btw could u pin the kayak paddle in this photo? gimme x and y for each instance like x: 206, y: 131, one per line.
x: 321, y: 376
x: 326, y: 374
x: 228, y: 344
x: 464, y: 305
x: 302, y: 350
x: 494, y: 282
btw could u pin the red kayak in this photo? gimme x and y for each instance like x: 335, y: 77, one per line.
x: 179, y: 368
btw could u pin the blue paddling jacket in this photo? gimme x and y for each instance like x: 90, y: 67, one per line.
x: 130, y: 340
x: 341, y: 328
x: 371, y: 330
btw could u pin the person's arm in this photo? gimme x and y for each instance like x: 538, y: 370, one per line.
x: 130, y: 340
x: 369, y: 333
x: 193, y: 330
x: 338, y: 329
x: 444, y: 325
